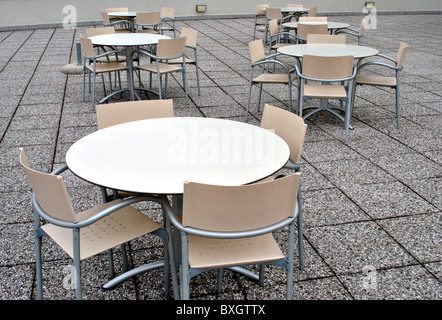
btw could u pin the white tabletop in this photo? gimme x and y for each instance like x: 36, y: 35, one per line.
x: 328, y: 50
x: 123, y: 14
x: 127, y: 39
x: 293, y: 9
x: 330, y: 24
x: 159, y: 155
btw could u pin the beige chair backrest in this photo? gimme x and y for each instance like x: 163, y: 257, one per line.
x: 87, y: 47
x: 260, y: 8
x: 326, y: 38
x: 171, y: 47
x: 191, y: 35
x: 111, y: 114
x: 310, y: 19
x: 274, y: 13
x: 312, y: 11
x: 50, y: 192
x: 105, y: 17
x: 288, y: 126
x: 327, y: 67
x: 401, y: 54
x: 362, y: 26
x: 122, y: 9
x: 148, y: 17
x: 273, y: 27
x: 306, y: 29
x: 291, y: 5
x: 91, y: 32
x: 167, y: 12
x: 256, y: 49
x: 239, y: 208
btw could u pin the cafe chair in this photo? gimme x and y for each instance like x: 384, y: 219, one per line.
x: 297, y: 6
x: 148, y: 22
x: 191, y: 57
x: 167, y: 50
x: 279, y: 38
x: 231, y: 227
x: 275, y: 14
x: 93, y: 65
x: 326, y: 38
x: 292, y: 129
x: 313, y: 19
x: 125, y: 26
x: 395, y: 65
x: 119, y: 9
x: 305, y: 29
x: 82, y: 235
x: 327, y: 78
x: 92, y: 32
x: 260, y: 18
x: 168, y: 20
x: 260, y: 75
x: 312, y: 11
x: 111, y: 114
x: 359, y: 34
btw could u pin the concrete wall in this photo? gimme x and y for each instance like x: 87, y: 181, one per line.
x: 38, y: 12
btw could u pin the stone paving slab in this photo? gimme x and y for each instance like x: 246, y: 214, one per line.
x: 372, y: 205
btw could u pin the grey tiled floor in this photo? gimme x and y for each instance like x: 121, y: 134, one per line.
x: 375, y: 203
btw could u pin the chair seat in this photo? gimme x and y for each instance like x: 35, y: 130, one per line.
x: 121, y: 58
x: 148, y: 31
x: 274, y: 78
x: 376, y: 80
x: 164, y: 67
x: 280, y: 45
x: 180, y: 61
x: 121, y: 226
x: 107, y: 67
x: 213, y: 253
x: 325, y: 91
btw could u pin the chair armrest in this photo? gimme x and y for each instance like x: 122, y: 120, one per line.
x: 376, y: 63
x: 119, y: 21
x: 152, y: 56
x: 231, y: 235
x: 348, y: 30
x: 290, y: 35
x: 107, y: 53
x: 84, y: 223
x: 327, y: 80
x: 57, y: 171
x: 272, y: 61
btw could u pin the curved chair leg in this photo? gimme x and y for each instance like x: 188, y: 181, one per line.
x: 300, y: 230
x: 38, y: 266
x: 77, y: 264
x: 111, y: 263
x: 397, y: 106
x: 220, y: 280
x: 249, y: 97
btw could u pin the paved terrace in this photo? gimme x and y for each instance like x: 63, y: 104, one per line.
x: 375, y: 203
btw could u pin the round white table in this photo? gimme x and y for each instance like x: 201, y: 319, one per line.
x: 328, y: 50
x: 157, y: 156
x: 294, y: 10
x: 124, y: 14
x: 330, y: 24
x: 128, y: 41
